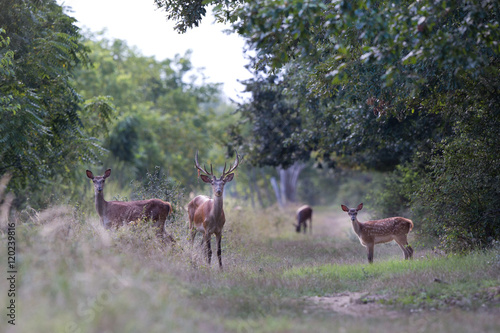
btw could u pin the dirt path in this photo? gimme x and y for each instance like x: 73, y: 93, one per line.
x: 353, y: 304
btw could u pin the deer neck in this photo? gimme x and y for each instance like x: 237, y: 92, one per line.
x: 217, y: 210
x: 100, y: 204
x: 356, y: 226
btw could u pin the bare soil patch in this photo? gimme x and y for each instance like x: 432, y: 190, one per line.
x: 356, y: 304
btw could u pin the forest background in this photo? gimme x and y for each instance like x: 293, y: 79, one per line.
x: 394, y: 103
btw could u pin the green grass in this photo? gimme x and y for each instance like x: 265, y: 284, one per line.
x: 76, y: 277
x: 424, y: 283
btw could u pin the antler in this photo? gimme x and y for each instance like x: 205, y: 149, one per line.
x: 211, y: 173
x: 200, y: 169
x: 233, y: 167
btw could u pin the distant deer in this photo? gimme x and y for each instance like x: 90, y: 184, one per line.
x: 117, y: 213
x: 304, y: 213
x: 381, y: 231
x: 207, y: 215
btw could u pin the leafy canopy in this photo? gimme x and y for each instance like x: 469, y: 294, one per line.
x: 164, y: 114
x: 410, y: 86
x: 40, y: 125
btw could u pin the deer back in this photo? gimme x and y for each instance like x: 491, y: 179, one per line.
x: 118, y: 212
x: 385, y: 229
x: 304, y: 213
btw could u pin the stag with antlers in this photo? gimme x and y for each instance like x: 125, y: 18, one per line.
x: 381, y: 231
x: 207, y: 215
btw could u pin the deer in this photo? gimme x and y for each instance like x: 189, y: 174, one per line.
x: 381, y: 231
x: 304, y: 213
x: 207, y: 215
x: 118, y: 213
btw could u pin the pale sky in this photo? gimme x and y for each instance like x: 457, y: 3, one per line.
x: 142, y: 25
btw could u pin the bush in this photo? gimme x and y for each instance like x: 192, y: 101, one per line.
x: 462, y: 194
x: 393, y: 192
x: 160, y: 186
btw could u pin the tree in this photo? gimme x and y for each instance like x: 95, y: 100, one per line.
x: 396, y: 86
x: 266, y: 129
x: 188, y: 14
x: 40, y: 125
x: 163, y: 116
x: 462, y: 182
x: 273, y: 120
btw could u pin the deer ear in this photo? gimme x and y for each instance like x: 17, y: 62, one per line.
x: 229, y: 177
x: 107, y: 173
x: 360, y: 206
x: 344, y: 208
x: 90, y: 174
x: 206, y: 179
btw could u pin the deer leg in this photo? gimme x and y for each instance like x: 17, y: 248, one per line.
x: 311, y: 225
x: 405, y: 247
x: 208, y: 248
x: 218, y: 237
x: 193, y: 235
x: 401, y: 242
x: 405, y: 251
x: 370, y: 248
x: 410, y: 250
x: 160, y: 228
x: 305, y: 227
x: 161, y: 233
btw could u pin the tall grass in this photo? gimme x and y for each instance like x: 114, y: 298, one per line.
x: 74, y: 276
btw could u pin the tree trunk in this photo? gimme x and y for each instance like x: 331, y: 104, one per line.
x: 268, y: 194
x: 5, y: 202
x: 288, y: 183
x: 277, y: 192
x: 256, y: 188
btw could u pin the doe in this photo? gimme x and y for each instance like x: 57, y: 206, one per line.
x: 381, y: 231
x: 117, y: 213
x: 304, y: 213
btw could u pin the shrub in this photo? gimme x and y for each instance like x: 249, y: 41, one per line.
x: 159, y: 185
x: 391, y: 197
x: 462, y: 194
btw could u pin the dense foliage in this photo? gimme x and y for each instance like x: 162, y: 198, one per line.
x: 269, y: 120
x: 70, y: 102
x: 40, y: 124
x: 461, y: 185
x: 408, y: 87
x: 163, y: 114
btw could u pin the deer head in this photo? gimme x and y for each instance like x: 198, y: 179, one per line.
x: 98, y: 180
x: 209, y: 178
x: 353, y: 212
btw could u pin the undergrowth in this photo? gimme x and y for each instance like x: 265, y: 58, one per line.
x: 87, y: 279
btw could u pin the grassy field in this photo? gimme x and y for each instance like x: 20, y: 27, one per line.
x: 73, y: 276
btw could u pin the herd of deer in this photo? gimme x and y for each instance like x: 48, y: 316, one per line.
x: 207, y: 215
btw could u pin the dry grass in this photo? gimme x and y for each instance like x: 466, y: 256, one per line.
x: 74, y: 276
